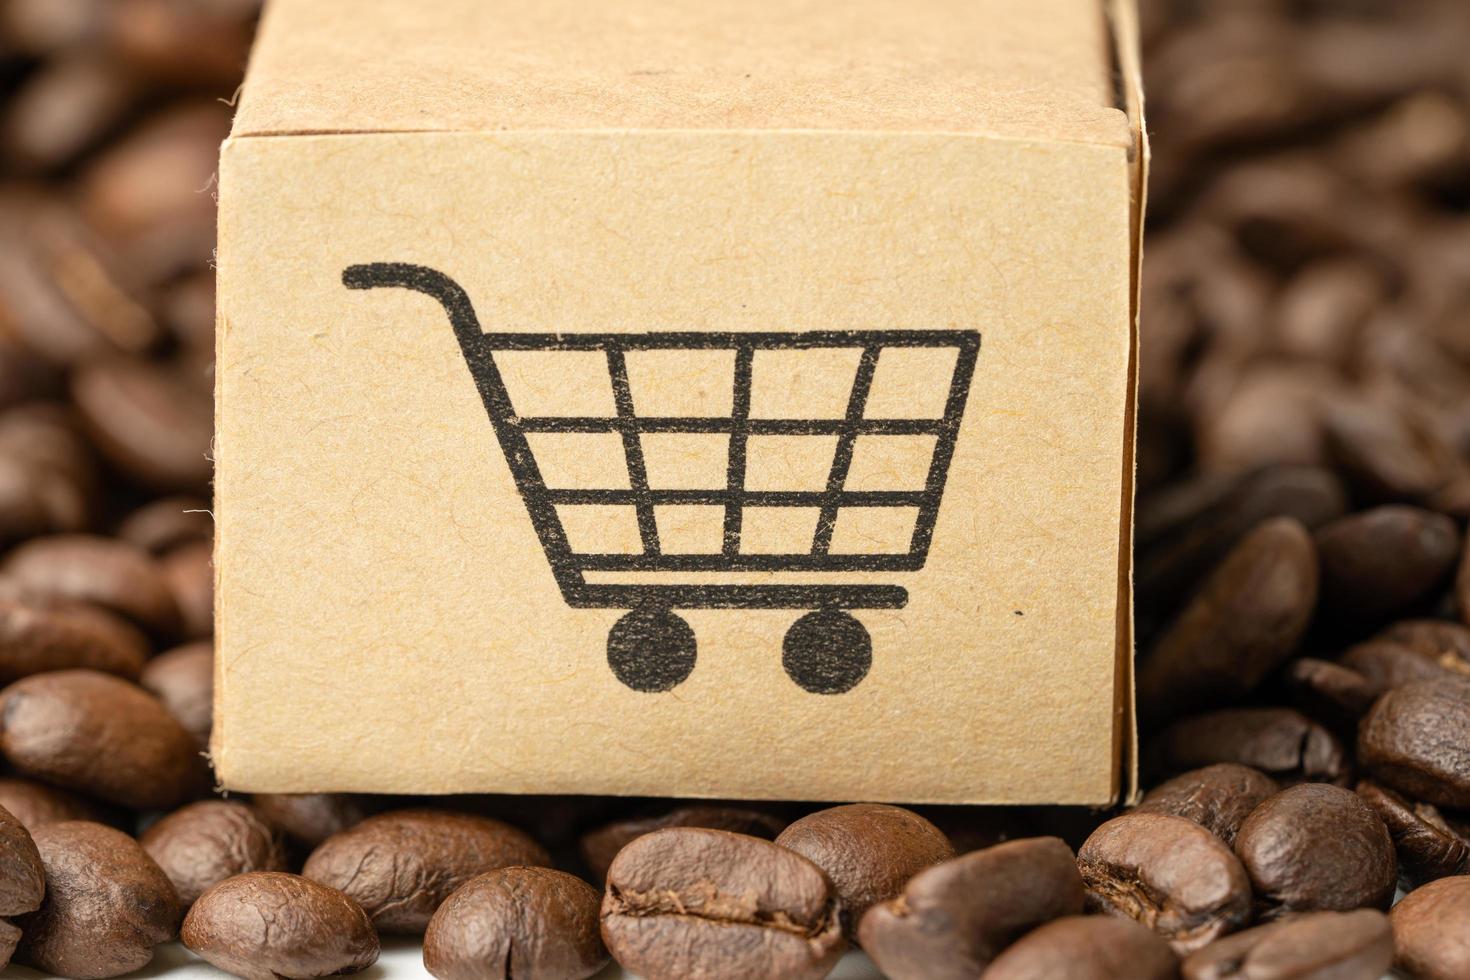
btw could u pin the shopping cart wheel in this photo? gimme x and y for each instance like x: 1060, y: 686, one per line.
x: 827, y: 652
x: 651, y: 649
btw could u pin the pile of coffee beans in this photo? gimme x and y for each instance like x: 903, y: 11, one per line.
x: 1303, y: 578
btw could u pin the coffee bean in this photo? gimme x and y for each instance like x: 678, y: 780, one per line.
x: 1462, y: 586
x: 37, y: 804
x: 1427, y: 847
x: 268, y: 925
x: 1170, y: 874
x: 310, y: 818
x: 106, y: 572
x: 1385, y: 664
x: 1444, y: 641
x: 1315, y: 847
x: 183, y: 679
x: 868, y: 850
x: 516, y: 922
x: 64, y: 110
x: 1331, y: 693
x: 1385, y: 456
x: 599, y: 847
x: 189, y: 571
x: 22, y: 880
x: 101, y: 736
x: 1417, y: 741
x: 107, y: 904
x: 400, y: 865
x: 1316, y: 946
x: 1431, y: 930
x: 1280, y: 742
x: 953, y: 918
x: 162, y: 525
x: 1093, y: 947
x: 1384, y: 560
x: 204, y: 843
x: 689, y: 902
x: 150, y: 420
x: 1243, y: 623
x: 1217, y: 797
x: 39, y: 634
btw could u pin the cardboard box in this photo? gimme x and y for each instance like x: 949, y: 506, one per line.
x: 681, y: 397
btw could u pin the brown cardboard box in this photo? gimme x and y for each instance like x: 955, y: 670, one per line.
x: 688, y: 397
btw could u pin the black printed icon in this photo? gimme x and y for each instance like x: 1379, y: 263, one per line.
x: 830, y: 572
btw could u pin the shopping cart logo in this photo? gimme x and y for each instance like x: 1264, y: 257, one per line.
x: 853, y: 486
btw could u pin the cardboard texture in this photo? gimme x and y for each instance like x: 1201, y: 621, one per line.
x: 685, y: 398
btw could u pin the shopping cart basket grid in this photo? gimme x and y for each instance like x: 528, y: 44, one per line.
x: 651, y: 648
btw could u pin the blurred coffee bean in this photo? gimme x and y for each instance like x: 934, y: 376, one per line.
x: 1217, y: 797
x: 401, y: 865
x: 202, y: 844
x: 310, y: 818
x: 22, y: 880
x: 1093, y: 947
x: 1170, y: 874
x: 1355, y: 945
x: 1445, y: 642
x: 689, y: 902
x: 1382, y: 561
x: 107, y: 904
x: 1384, y: 455
x: 952, y: 919
x: 868, y: 850
x: 600, y: 846
x: 39, y: 634
x: 103, y: 571
x: 1427, y: 847
x: 517, y: 922
x: 1330, y: 693
x: 183, y: 679
x: 1384, y: 665
x: 64, y: 109
x: 101, y: 736
x: 189, y: 571
x: 309, y: 930
x: 1280, y: 742
x: 166, y: 523
x: 36, y: 804
x: 1317, y: 847
x: 181, y: 43
x: 149, y: 420
x: 1430, y: 934
x: 1417, y: 741
x: 48, y: 482
x: 1246, y: 619
x: 41, y: 27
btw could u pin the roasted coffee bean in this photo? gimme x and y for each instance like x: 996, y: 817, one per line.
x: 1417, y: 741
x: 1093, y: 947
x: 101, y: 736
x: 1436, y: 638
x: 64, y: 110
x: 1217, y: 797
x: 1317, y: 847
x: 310, y: 818
x: 151, y: 421
x: 599, y: 847
x: 400, y: 865
x: 103, y: 571
x: 1384, y: 560
x: 689, y: 902
x: 1386, y: 664
x: 1170, y: 874
x: 517, y: 922
x: 268, y: 925
x: 1244, y: 622
x: 1427, y: 847
x: 37, y: 804
x: 204, y: 843
x: 162, y: 525
x: 1280, y: 742
x: 1316, y: 946
x: 39, y: 634
x: 183, y: 679
x: 107, y: 904
x: 1431, y: 930
x: 22, y: 880
x: 953, y: 918
x: 189, y: 571
x: 868, y: 850
x: 1331, y: 693
x: 1384, y: 455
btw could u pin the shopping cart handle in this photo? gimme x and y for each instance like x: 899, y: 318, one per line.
x: 422, y: 279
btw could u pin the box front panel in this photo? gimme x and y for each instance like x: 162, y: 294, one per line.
x: 814, y: 437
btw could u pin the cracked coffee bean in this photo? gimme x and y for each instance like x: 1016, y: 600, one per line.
x: 689, y: 902
x: 1431, y: 930
x: 517, y: 922
x: 1427, y: 847
x: 868, y: 850
x: 1280, y: 742
x: 1217, y: 797
x: 599, y: 847
x: 1169, y: 874
x: 22, y: 881
x: 1317, y: 847
x: 268, y: 925
x: 1417, y: 740
x: 310, y: 818
x: 1092, y: 947
x: 1354, y: 945
x: 204, y: 843
x: 953, y: 918
x: 107, y: 904
x: 399, y: 866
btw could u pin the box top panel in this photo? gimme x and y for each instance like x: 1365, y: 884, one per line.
x: 1041, y: 70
